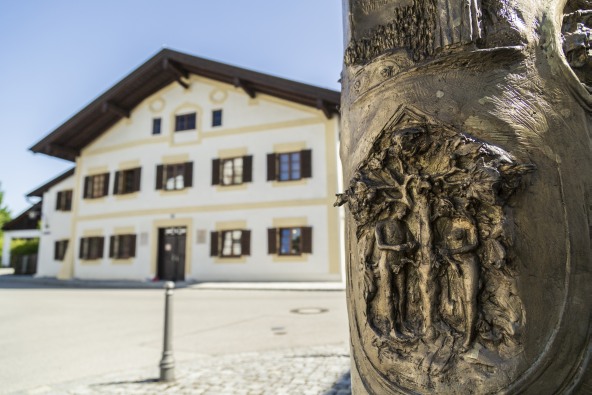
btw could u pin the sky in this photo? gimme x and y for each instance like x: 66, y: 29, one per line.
x: 56, y: 56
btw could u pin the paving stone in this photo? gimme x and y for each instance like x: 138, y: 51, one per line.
x: 322, y: 370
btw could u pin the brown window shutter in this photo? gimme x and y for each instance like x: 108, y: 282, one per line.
x: 55, y: 250
x: 106, y: 184
x: 101, y: 242
x: 93, y: 252
x: 159, y: 176
x: 306, y: 163
x: 137, y: 178
x: 248, y: 168
x: 307, y: 240
x: 132, y: 249
x: 272, y: 240
x: 213, y: 243
x: 69, y: 200
x: 58, y: 200
x: 271, y: 167
x: 86, y: 187
x: 215, y: 171
x: 188, y: 176
x: 246, y: 242
x: 116, y: 183
x: 111, y: 246
x: 81, y: 251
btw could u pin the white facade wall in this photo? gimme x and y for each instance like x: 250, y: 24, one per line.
x: 254, y: 127
x: 259, y: 266
x: 55, y: 225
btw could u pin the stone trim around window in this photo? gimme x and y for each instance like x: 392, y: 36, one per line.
x: 289, y: 166
x: 96, y: 186
x: 122, y: 246
x: 232, y: 171
x: 64, y: 200
x: 91, y: 247
x: 231, y: 243
x: 289, y: 241
x: 174, y: 177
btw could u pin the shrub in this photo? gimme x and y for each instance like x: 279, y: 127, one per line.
x: 24, y: 247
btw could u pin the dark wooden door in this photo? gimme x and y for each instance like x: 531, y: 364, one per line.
x: 171, y: 253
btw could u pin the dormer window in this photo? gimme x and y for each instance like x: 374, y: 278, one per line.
x: 185, y: 122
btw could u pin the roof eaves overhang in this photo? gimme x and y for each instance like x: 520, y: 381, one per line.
x: 166, y: 67
x: 24, y: 221
x: 43, y: 188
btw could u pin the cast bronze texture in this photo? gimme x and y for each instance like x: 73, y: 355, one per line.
x: 466, y: 148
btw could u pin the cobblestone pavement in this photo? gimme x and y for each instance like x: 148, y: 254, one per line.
x: 310, y: 371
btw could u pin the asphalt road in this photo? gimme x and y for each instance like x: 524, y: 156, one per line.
x: 55, y: 335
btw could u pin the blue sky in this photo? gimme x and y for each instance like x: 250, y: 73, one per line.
x: 58, y: 55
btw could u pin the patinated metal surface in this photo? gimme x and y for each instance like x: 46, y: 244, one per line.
x: 467, y: 161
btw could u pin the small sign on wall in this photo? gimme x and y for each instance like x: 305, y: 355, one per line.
x: 201, y: 236
x: 144, y: 238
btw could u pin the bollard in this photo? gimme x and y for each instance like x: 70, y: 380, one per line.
x: 167, y: 363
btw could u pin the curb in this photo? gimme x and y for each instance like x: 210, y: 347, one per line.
x: 222, y: 286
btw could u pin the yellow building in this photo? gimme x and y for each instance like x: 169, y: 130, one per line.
x: 194, y: 169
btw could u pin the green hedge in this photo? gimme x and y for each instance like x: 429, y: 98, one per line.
x: 24, y: 247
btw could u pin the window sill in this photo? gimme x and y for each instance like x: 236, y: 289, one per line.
x: 95, y: 200
x: 122, y: 261
x: 290, y: 258
x: 186, y: 130
x: 172, y: 192
x: 235, y: 187
x: 233, y: 260
x: 95, y: 261
x: 302, y: 181
x: 126, y: 196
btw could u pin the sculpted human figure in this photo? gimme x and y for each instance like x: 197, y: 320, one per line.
x: 395, y: 241
x: 459, y: 241
x: 458, y: 22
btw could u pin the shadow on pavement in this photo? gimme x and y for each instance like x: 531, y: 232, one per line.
x: 341, y: 387
x: 145, y: 381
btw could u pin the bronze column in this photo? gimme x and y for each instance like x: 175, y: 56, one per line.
x: 466, y: 147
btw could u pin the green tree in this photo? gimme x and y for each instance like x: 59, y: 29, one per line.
x: 4, y: 217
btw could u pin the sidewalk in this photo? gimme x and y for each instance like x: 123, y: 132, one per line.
x: 289, y: 367
x: 6, y: 277
x: 320, y: 370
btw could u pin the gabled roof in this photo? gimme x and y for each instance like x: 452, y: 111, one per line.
x: 43, y: 188
x: 162, y: 69
x: 25, y: 220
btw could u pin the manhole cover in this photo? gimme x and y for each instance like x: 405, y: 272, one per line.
x: 309, y: 310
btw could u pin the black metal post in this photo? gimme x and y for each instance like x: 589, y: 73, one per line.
x: 167, y: 363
